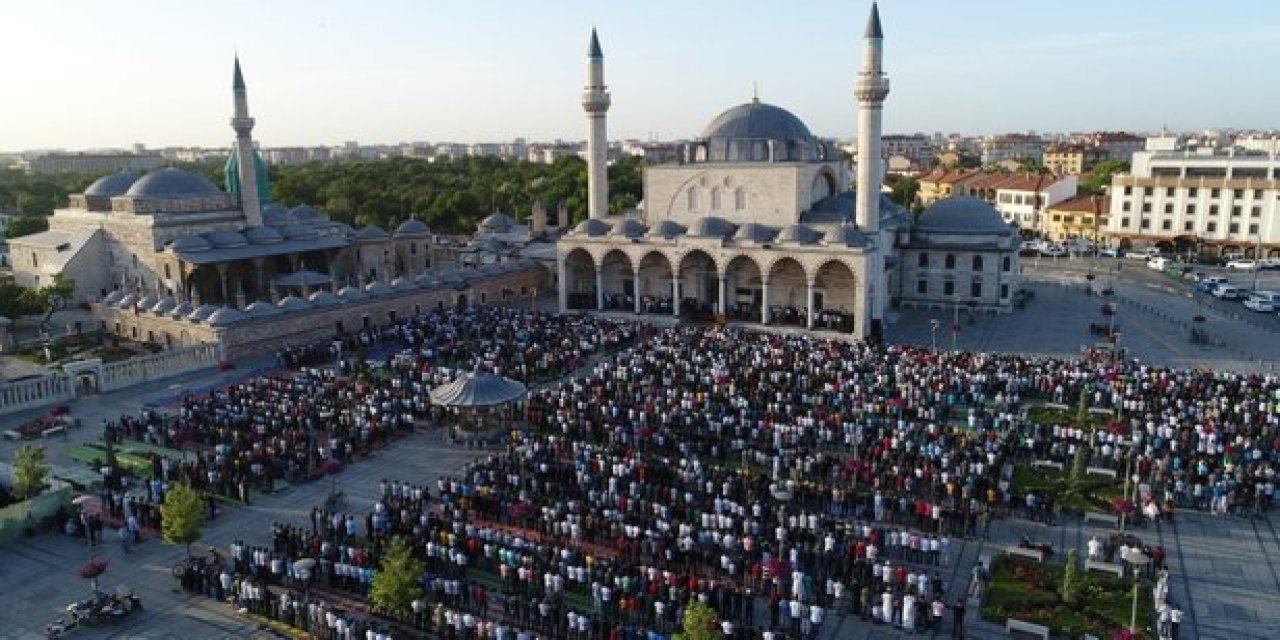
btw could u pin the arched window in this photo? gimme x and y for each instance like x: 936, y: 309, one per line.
x: 715, y: 198
x: 951, y: 261
x: 740, y: 199
x: 977, y: 263
x: 923, y: 260
x: 694, y: 199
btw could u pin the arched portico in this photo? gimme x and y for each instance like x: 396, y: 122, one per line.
x: 835, y: 296
x: 653, y: 284
x: 787, y: 293
x: 744, y: 285
x: 617, y: 280
x: 697, y: 285
x: 578, y: 280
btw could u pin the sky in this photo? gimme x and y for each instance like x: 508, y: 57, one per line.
x: 81, y: 74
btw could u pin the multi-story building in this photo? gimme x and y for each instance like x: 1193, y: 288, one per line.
x: 1264, y: 143
x: 93, y: 163
x: 918, y: 149
x: 943, y: 183
x: 1116, y: 145
x: 1071, y: 159
x: 1203, y: 201
x: 1081, y: 217
x: 1012, y: 147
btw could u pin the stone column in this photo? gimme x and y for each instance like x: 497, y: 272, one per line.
x: 635, y: 290
x: 599, y: 288
x: 764, y: 301
x: 222, y: 275
x: 564, y: 287
x: 259, y: 269
x: 675, y: 295
x: 722, y: 303
x: 809, y: 306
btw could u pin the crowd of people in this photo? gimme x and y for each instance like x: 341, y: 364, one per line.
x: 778, y: 479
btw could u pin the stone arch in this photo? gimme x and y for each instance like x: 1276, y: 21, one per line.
x: 824, y: 185
x: 653, y: 282
x: 836, y: 295
x: 618, y: 279
x: 788, y: 291
x: 698, y: 275
x: 744, y: 287
x: 580, y: 279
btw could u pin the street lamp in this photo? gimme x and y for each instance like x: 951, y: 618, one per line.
x: 933, y: 334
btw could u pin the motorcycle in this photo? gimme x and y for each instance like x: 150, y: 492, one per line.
x: 98, y: 609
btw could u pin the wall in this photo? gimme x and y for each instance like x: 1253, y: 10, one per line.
x: 776, y: 192
x: 35, y: 393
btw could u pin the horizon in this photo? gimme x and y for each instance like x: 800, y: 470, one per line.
x: 452, y: 74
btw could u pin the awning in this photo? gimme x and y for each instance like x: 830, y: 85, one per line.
x: 479, y: 390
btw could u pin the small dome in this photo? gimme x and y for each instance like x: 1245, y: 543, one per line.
x: 412, y: 227
x: 146, y: 302
x: 183, y: 310
x: 711, y: 227
x: 298, y: 231
x: 305, y: 213
x: 293, y: 303
x: 372, y: 232
x: 350, y: 293
x: 190, y: 244
x: 666, y: 229
x: 201, y: 312
x: 164, y: 306
x: 961, y: 215
x: 261, y: 308
x: 113, y: 298
x: 126, y: 302
x: 497, y: 222
x: 376, y: 288
x: 754, y: 232
x: 225, y: 316
x: 322, y: 299
x: 592, y: 227
x: 226, y: 239
x: 262, y: 235
x: 847, y: 235
x: 173, y: 183
x: 112, y: 185
x: 275, y: 215
x: 629, y: 228
x: 799, y: 234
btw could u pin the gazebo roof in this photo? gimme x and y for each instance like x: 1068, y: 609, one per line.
x: 479, y: 390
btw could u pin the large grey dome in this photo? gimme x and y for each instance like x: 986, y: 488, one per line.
x: 756, y: 120
x: 112, y: 185
x: 412, y: 226
x: 961, y: 215
x: 173, y: 183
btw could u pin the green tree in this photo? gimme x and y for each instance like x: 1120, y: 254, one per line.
x: 398, y: 581
x: 1071, y: 580
x: 26, y: 225
x: 16, y: 300
x: 699, y: 623
x: 905, y: 191
x: 181, y: 516
x: 1100, y: 177
x: 30, y: 468
x: 52, y: 298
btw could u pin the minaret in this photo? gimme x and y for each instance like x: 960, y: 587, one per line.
x: 595, y: 101
x: 245, y: 154
x: 871, y: 89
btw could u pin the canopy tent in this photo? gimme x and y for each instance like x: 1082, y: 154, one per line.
x: 478, y: 390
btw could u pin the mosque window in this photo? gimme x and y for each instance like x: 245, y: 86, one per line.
x: 694, y: 198
x: 923, y: 259
x: 413, y: 248
x: 951, y: 261
x: 977, y: 263
x: 1006, y: 264
x: 740, y: 199
x: 167, y: 274
x: 948, y: 288
x: 975, y: 289
x: 715, y: 198
x: 922, y: 287
x: 35, y: 262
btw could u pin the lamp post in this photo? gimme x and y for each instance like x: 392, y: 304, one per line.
x: 1257, y: 259
x: 933, y: 334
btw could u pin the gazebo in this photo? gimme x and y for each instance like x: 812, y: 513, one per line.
x: 480, y: 395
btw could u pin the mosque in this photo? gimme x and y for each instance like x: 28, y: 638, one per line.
x: 172, y: 259
x: 755, y: 223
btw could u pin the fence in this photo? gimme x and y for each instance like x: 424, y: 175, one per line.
x: 35, y: 393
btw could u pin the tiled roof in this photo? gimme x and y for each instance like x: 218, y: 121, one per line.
x: 1083, y: 204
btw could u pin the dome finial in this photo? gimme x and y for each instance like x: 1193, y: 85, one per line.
x: 755, y: 92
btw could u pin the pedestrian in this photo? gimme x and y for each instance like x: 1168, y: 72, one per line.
x: 957, y: 611
x: 123, y: 534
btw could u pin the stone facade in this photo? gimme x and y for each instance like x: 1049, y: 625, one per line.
x: 773, y: 193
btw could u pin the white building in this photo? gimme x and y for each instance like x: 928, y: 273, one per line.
x: 1204, y: 201
x: 1021, y: 200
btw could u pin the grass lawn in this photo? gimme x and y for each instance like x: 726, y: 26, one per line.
x: 1022, y: 589
x: 1043, y: 414
x: 1094, y: 493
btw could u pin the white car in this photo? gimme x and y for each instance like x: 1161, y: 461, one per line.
x: 1143, y: 254
x: 1109, y: 252
x: 1261, y: 305
x: 1243, y: 264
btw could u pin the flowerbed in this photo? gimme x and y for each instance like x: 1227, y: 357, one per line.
x: 1022, y: 589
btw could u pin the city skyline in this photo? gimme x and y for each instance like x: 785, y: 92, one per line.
x: 400, y: 71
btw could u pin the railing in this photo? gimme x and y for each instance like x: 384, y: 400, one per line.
x: 35, y: 393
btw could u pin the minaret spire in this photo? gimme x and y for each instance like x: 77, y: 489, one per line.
x: 245, y: 155
x: 871, y: 88
x: 595, y: 102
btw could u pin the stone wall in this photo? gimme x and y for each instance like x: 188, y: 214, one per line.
x: 35, y: 393
x: 126, y: 373
x: 775, y: 194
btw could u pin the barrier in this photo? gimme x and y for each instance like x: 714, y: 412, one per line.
x: 126, y: 373
x: 1034, y: 554
x: 1048, y: 463
x: 1100, y: 471
x: 1108, y: 567
x: 1014, y: 626
x: 35, y: 393
x: 1105, y: 518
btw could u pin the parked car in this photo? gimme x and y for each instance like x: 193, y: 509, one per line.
x: 1259, y: 304
x: 1142, y: 254
x: 1109, y: 252
x: 1160, y: 264
x: 1207, y: 284
x: 1243, y: 264
x: 1269, y: 264
x: 1052, y: 251
x: 1228, y: 292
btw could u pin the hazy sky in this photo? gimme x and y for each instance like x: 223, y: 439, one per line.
x: 81, y: 73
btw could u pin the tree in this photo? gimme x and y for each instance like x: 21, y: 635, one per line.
x: 52, y: 298
x: 25, y: 226
x: 905, y: 191
x: 1071, y: 579
x: 181, y: 516
x: 30, y: 468
x: 398, y: 581
x: 1101, y: 176
x: 699, y: 623
x: 16, y: 300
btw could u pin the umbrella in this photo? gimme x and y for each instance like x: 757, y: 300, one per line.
x: 479, y: 390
